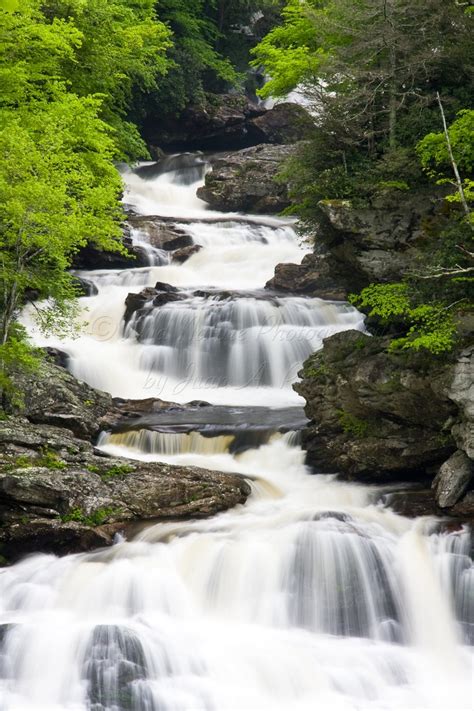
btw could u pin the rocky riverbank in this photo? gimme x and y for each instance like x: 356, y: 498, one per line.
x: 59, y: 494
x: 393, y: 418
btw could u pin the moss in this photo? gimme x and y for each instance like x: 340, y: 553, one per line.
x: 320, y: 372
x: 353, y: 425
x: 47, y: 459
x: 392, y: 385
x: 95, y: 518
x: 116, y: 471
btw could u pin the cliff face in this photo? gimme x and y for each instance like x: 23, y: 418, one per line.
x: 355, y: 247
x: 378, y: 415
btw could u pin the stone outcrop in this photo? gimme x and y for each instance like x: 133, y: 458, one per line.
x: 387, y: 417
x: 354, y: 247
x: 312, y: 277
x: 230, y: 122
x: 90, y: 257
x: 453, y: 479
x: 245, y: 181
x: 160, y: 232
x: 52, y: 396
x: 58, y: 494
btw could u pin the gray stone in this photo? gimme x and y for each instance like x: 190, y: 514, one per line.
x: 53, y: 396
x: 245, y: 181
x: 49, y: 480
x: 453, y: 479
x: 375, y: 415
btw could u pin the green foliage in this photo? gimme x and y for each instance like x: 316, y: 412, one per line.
x: 16, y: 355
x: 291, y: 52
x: 434, y: 156
x: 429, y: 327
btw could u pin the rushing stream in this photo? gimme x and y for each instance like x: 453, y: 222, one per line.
x: 310, y: 597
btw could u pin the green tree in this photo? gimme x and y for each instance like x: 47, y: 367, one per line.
x: 59, y: 190
x: 122, y: 52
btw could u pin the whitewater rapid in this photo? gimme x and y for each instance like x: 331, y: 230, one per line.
x: 311, y: 596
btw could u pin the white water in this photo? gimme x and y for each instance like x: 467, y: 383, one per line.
x: 308, y: 597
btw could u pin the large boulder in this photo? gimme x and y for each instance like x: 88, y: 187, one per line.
x: 220, y: 121
x: 285, y: 123
x: 160, y: 232
x: 245, y: 181
x: 375, y: 415
x: 453, y: 480
x: 57, y: 495
x: 229, y: 122
x: 53, y: 396
x: 312, y: 277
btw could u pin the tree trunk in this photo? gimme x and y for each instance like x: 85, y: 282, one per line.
x: 453, y: 160
x: 392, y: 120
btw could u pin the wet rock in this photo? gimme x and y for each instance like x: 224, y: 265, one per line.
x: 182, y: 242
x: 375, y: 415
x: 412, y: 503
x: 53, y: 483
x: 182, y: 255
x: 85, y: 287
x: 135, y: 302
x: 453, y: 479
x: 160, y: 233
x: 90, y: 257
x: 311, y: 277
x: 158, y: 296
x: 246, y: 181
x: 284, y: 124
x: 53, y: 396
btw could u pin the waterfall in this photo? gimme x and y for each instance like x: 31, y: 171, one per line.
x: 311, y: 596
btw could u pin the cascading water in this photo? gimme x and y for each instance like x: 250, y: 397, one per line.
x: 308, y: 597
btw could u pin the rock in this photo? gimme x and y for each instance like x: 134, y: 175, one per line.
x: 230, y: 122
x: 412, y: 503
x: 158, y: 296
x: 462, y: 393
x: 57, y: 495
x: 135, y: 302
x: 90, y: 257
x: 375, y: 415
x: 284, y: 124
x: 53, y: 396
x: 453, y: 480
x: 220, y: 122
x: 182, y: 255
x: 245, y: 181
x: 160, y: 233
x: 311, y: 277
x: 377, y: 243
x: 182, y: 242
x: 85, y: 287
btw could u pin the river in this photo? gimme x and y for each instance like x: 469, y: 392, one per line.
x: 311, y: 596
